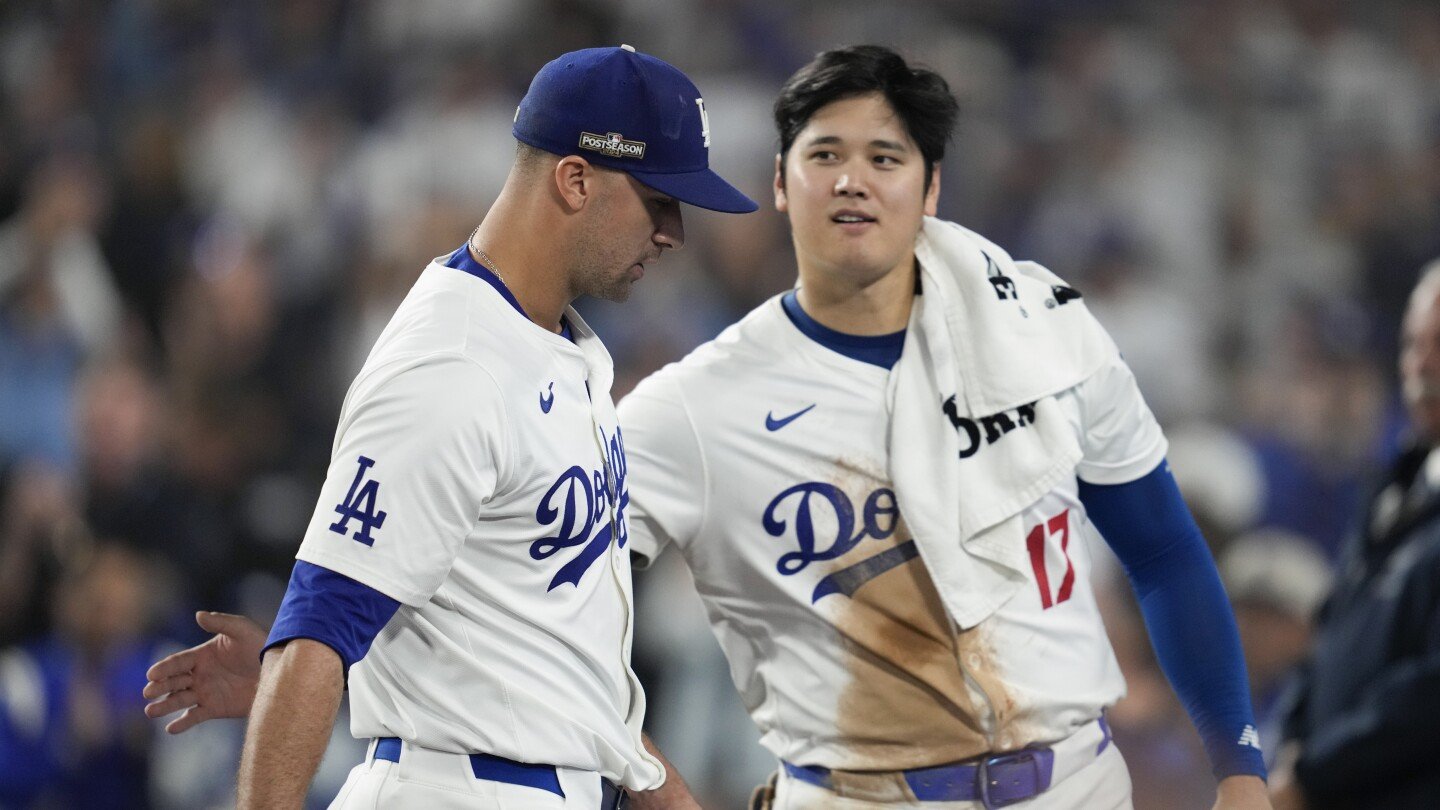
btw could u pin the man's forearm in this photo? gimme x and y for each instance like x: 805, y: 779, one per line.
x: 299, y: 694
x: 1186, y: 611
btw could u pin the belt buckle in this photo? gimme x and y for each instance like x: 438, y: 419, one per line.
x: 982, y: 774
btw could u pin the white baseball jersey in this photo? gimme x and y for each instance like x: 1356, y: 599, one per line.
x: 762, y: 457
x: 478, y: 476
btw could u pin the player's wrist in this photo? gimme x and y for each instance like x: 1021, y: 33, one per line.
x: 1232, y: 746
x: 1242, y: 791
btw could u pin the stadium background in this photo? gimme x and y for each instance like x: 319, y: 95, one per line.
x: 208, y: 210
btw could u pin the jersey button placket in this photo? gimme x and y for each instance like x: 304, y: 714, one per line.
x: 969, y: 665
x: 612, y: 500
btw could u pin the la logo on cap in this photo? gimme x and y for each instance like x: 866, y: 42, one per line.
x: 612, y: 144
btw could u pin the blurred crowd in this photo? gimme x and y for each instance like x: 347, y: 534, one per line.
x: 209, y: 210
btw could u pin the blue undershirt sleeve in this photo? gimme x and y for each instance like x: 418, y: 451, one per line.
x: 1186, y: 611
x: 332, y: 609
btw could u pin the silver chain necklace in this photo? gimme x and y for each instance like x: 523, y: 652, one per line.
x: 485, y: 258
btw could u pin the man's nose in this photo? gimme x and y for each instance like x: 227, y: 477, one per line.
x: 849, y: 184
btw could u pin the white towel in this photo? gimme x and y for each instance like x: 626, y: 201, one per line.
x: 976, y: 435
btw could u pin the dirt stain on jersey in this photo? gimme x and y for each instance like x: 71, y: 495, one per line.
x: 908, y: 702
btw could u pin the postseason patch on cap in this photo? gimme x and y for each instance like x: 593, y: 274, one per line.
x: 612, y: 144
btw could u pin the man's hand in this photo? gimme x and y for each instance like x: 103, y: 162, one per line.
x: 1288, y: 797
x: 673, y: 795
x: 215, y: 679
x: 1285, y: 791
x: 1242, y: 793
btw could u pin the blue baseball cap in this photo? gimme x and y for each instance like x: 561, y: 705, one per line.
x: 632, y: 112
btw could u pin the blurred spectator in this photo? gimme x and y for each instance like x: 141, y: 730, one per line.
x: 1221, y: 478
x: 1162, y: 335
x: 57, y: 306
x: 131, y: 491
x: 1276, y: 581
x: 72, y: 733
x: 152, y: 218
x: 39, y: 525
x: 1364, y: 717
x: 1313, y: 407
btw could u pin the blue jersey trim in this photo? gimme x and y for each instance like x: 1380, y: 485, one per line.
x: 1186, y: 611
x: 877, y: 350
x: 332, y: 609
x: 462, y: 260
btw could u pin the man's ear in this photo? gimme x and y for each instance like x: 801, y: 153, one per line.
x: 932, y: 195
x: 781, y: 203
x: 576, y: 181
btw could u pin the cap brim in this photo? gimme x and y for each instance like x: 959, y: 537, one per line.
x: 703, y: 189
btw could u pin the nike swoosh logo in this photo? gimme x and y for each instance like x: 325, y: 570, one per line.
x: 546, y: 403
x: 772, y: 424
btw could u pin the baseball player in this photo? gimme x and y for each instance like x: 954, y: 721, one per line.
x: 466, y: 570
x: 794, y: 461
x: 900, y: 643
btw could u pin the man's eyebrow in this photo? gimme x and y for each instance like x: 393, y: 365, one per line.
x: 878, y: 143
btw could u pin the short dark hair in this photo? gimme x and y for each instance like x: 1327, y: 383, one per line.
x: 529, y: 157
x: 919, y: 96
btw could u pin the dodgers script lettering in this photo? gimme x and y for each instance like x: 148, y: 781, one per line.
x: 581, y: 501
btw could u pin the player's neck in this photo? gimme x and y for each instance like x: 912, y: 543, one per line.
x: 524, y: 259
x: 877, y: 306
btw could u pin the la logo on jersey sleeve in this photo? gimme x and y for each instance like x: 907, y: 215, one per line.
x: 360, y: 504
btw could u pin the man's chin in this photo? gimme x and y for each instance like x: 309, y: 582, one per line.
x: 617, y: 293
x: 861, y: 261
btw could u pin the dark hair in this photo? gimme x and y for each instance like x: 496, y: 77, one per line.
x: 919, y: 96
